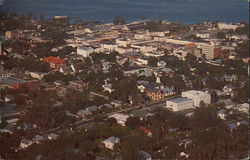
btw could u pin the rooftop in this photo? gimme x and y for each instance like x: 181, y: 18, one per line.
x: 180, y: 100
x: 11, y: 81
x: 53, y: 60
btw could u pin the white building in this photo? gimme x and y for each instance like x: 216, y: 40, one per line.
x: 222, y: 114
x: 108, y: 87
x: 197, y: 97
x: 202, y: 35
x: 141, y: 61
x: 161, y: 64
x: 25, y: 143
x: 178, y: 104
x: 85, y: 51
x: 121, y: 118
x: 52, y: 136
x: 208, y: 50
x: 110, y: 142
x: 225, y: 26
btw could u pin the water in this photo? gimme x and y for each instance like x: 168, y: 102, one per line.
x: 184, y: 11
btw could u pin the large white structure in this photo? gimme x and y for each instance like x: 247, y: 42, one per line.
x: 228, y: 26
x: 197, y: 97
x: 85, y: 51
x: 208, y: 50
x: 178, y: 104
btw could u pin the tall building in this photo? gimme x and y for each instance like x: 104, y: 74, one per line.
x: 208, y: 50
x: 197, y: 97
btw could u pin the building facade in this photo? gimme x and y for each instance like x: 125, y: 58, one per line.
x: 197, y: 97
x: 178, y: 104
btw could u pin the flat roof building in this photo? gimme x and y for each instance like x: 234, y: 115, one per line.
x: 178, y: 104
x: 197, y: 97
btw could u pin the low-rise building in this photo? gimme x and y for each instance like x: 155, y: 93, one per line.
x: 121, y: 118
x: 52, y: 136
x: 222, y: 114
x: 110, y: 142
x: 197, y: 97
x: 154, y: 94
x: 108, y: 87
x: 85, y: 51
x: 178, y: 104
x: 25, y: 143
x: 54, y: 62
x: 78, y: 85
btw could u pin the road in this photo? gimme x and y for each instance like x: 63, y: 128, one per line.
x: 80, y: 122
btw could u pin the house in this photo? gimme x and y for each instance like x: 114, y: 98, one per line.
x: 228, y: 103
x: 108, y: 87
x: 78, y: 85
x: 91, y: 109
x: 168, y: 91
x: 161, y: 64
x: 228, y: 89
x: 38, y: 139
x: 110, y: 142
x: 82, y: 113
x: 243, y: 107
x: 185, y: 142
x: 178, y: 104
x: 145, y: 131
x: 52, y: 136
x: 12, y: 121
x: 222, y: 114
x: 25, y: 143
x: 197, y: 97
x: 154, y: 94
x: 116, y: 103
x: 28, y: 126
x: 243, y: 122
x: 37, y: 75
x: 8, y: 98
x: 121, y: 118
x: 144, y: 155
x: 183, y: 154
x: 54, y: 62
x: 231, y: 126
x: 141, y: 114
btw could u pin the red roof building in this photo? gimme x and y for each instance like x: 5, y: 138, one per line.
x: 54, y: 62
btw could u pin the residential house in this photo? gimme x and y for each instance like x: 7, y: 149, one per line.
x: 78, y: 85
x: 116, y: 103
x: 108, y: 87
x: 243, y: 107
x: 222, y: 114
x: 154, y: 94
x: 38, y: 139
x: 161, y: 64
x: 144, y: 155
x: 52, y: 136
x: 121, y: 118
x: 228, y: 103
x: 82, y: 113
x: 168, y: 91
x: 111, y: 142
x: 25, y: 143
